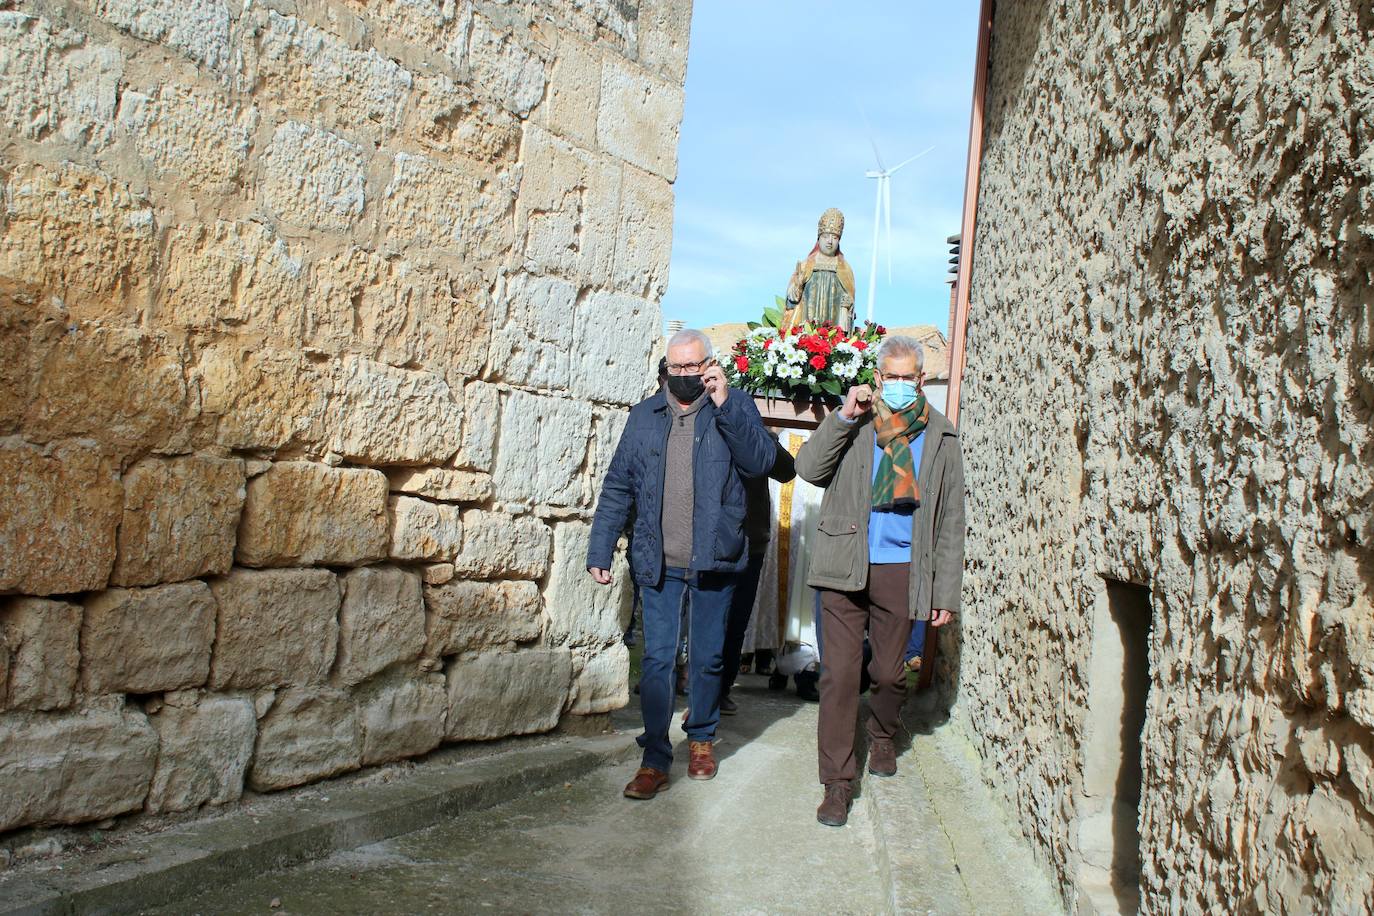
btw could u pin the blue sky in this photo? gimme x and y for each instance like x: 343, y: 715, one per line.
x: 774, y: 133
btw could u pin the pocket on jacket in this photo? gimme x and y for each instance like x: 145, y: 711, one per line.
x: 730, y: 534
x: 835, y: 551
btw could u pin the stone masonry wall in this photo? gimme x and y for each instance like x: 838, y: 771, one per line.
x: 318, y: 322
x: 1171, y: 383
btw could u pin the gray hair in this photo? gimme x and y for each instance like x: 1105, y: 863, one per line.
x: 900, y: 345
x: 691, y: 335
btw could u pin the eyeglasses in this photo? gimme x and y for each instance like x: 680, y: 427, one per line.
x: 899, y: 378
x: 690, y: 368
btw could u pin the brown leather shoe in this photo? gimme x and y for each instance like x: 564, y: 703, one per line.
x: 834, y: 809
x: 882, y: 757
x: 647, y: 783
x: 702, y: 761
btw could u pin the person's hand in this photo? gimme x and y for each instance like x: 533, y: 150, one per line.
x: 857, y: 402
x: 716, y: 386
x: 602, y: 576
x: 939, y: 617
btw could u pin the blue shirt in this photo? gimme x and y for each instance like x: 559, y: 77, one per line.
x: 889, y: 533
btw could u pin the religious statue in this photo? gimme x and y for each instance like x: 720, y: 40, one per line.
x: 822, y: 286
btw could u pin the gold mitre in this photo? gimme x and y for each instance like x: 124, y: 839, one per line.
x: 832, y: 221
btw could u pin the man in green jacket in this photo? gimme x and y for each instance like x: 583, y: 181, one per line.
x: 889, y: 549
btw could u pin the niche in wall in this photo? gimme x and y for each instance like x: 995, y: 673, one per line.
x: 1108, y: 874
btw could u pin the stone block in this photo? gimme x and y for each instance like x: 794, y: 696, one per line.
x: 57, y: 81
x: 233, y: 276
x: 496, y: 545
x: 665, y: 28
x: 313, y: 179
x: 203, y: 752
x: 147, y: 640
x: 464, y: 615
x: 383, y: 415
x: 574, y: 93
x: 644, y: 240
x: 501, y: 67
x: 398, y: 313
x: 437, y: 573
x: 498, y: 694
x: 381, y: 622
x: 122, y: 387
x: 29, y: 322
x: 180, y: 519
x: 277, y: 626
x: 402, y: 718
x: 581, y: 612
x: 441, y: 484
x: 533, y: 331
x: 194, y: 137
x: 77, y: 233
x: 543, y: 447
x: 43, y: 639
x: 450, y: 120
x: 196, y: 29
x: 261, y: 398
x: 304, y: 514
x: 616, y: 337
x: 315, y: 75
x: 80, y: 766
x: 568, y: 209
x: 464, y: 211
x: 422, y: 530
x: 310, y: 733
x: 639, y: 117
x: 58, y: 519
x: 610, y: 424
x: 482, y: 417
x: 601, y: 681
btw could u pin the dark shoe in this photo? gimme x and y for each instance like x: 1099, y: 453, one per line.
x: 834, y: 809
x: 806, y: 685
x: 701, y: 763
x: 728, y: 707
x: 746, y: 662
x: 777, y: 681
x: 647, y: 783
x: 882, y: 757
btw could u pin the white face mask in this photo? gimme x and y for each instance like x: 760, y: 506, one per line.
x: 899, y: 394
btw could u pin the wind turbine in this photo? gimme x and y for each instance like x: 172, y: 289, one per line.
x: 882, y: 209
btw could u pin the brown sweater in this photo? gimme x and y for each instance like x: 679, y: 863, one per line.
x: 678, y: 492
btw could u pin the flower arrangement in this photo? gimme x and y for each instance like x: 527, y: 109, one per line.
x: 804, y: 360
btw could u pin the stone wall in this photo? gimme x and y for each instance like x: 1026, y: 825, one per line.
x: 1170, y: 383
x: 318, y: 322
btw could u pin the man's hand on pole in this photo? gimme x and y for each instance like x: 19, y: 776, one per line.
x: 602, y: 576
x: 939, y: 617
x: 858, y: 400
x: 716, y: 386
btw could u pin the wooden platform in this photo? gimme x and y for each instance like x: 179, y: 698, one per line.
x: 794, y: 413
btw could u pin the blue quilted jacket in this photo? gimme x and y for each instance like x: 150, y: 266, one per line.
x: 730, y: 444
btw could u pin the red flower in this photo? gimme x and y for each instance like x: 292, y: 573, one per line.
x: 882, y: 330
x: 818, y: 362
x: 742, y: 363
x: 767, y: 342
x: 861, y: 345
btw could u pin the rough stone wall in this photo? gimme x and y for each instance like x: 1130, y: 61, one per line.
x: 318, y: 322
x: 1170, y: 383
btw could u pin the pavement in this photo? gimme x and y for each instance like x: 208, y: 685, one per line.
x: 559, y: 837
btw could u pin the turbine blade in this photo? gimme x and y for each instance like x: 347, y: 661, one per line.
x: 869, y: 125
x: 911, y: 160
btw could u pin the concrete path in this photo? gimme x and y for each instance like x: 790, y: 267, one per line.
x: 746, y: 842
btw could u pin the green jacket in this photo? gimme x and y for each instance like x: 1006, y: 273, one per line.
x: 839, y: 458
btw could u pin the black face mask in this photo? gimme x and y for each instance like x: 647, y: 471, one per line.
x: 686, y: 388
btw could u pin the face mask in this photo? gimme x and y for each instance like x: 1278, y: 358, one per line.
x: 686, y: 388
x: 898, y: 394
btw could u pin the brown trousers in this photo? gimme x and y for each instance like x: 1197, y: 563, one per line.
x: 883, y: 610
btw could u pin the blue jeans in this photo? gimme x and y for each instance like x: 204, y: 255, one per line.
x: 741, y: 610
x: 916, y: 646
x: 709, y: 597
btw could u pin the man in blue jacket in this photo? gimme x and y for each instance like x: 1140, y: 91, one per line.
x: 679, y: 466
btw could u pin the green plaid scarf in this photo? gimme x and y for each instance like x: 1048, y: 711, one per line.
x: 894, y: 486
